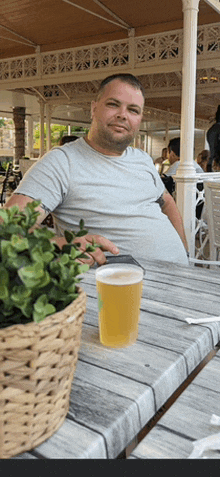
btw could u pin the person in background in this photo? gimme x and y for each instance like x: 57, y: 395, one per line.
x: 161, y: 163
x: 216, y: 158
x: 174, y: 157
x: 112, y: 186
x: 203, y: 158
x: 213, y: 136
x: 66, y: 139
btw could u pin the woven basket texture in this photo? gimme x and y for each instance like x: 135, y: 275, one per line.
x: 37, y: 364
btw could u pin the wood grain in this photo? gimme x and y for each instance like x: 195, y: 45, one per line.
x: 115, y: 392
x: 187, y: 420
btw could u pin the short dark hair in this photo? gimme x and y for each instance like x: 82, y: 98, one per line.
x: 174, y: 145
x: 217, y: 115
x: 125, y: 78
x: 66, y: 139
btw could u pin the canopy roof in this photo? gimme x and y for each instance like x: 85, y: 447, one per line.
x: 57, y: 24
x: 28, y: 27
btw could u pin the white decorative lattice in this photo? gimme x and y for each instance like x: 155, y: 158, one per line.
x: 66, y: 62
x: 4, y: 70
x: 145, y: 50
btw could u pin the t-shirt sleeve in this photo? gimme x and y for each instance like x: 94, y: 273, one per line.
x: 47, y: 179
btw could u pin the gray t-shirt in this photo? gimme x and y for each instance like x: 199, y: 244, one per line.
x: 173, y: 168
x: 116, y: 197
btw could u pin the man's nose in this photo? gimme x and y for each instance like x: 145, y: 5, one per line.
x: 122, y: 113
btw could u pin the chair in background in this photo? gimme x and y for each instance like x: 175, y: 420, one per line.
x: 5, y: 184
x: 212, y: 201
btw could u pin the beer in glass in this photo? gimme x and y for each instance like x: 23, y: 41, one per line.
x: 119, y: 288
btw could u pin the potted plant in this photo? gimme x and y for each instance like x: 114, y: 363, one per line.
x: 41, y: 313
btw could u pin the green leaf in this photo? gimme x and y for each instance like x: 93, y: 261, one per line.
x: 7, y: 250
x: 4, y: 215
x: 3, y: 292
x: 34, y: 276
x: 64, y: 259
x: 83, y: 268
x: 4, y: 275
x: 19, y: 243
x: 42, y: 308
x: 69, y: 236
x: 81, y: 224
x: 43, y: 233
x: 81, y: 233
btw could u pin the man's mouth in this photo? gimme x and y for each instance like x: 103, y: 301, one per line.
x: 119, y: 127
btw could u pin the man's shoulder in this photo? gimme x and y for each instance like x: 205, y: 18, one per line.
x: 172, y: 169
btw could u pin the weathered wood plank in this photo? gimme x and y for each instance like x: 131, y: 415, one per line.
x: 113, y: 416
x: 158, y: 329
x: 73, y: 441
x: 162, y: 370
x: 136, y: 392
x: 187, y: 420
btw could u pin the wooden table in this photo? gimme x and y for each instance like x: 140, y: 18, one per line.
x: 187, y: 421
x: 115, y: 392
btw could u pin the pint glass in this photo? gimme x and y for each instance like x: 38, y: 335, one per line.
x: 119, y: 288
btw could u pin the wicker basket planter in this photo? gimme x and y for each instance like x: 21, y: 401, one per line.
x: 37, y: 364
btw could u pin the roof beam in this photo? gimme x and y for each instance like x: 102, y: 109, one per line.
x: 26, y: 40
x: 100, y: 4
x: 96, y: 14
x: 215, y: 4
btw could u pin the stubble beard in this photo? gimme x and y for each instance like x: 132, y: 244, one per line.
x: 107, y: 140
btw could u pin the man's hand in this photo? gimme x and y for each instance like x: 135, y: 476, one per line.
x: 104, y: 245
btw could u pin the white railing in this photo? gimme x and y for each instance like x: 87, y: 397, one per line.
x: 199, y: 240
x: 131, y: 52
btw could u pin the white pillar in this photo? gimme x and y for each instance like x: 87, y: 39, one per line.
x: 186, y: 188
x: 48, y: 129
x: 69, y: 130
x: 41, y: 129
x: 145, y: 142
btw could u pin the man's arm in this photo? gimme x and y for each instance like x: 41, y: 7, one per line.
x: 98, y: 256
x: 169, y: 208
x: 22, y: 200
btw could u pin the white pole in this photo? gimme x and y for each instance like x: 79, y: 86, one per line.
x: 186, y: 174
x: 190, y: 15
x: 48, y: 129
x: 41, y: 128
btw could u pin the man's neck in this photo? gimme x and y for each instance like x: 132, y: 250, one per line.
x: 101, y: 149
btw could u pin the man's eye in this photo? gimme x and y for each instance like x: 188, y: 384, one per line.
x: 111, y: 103
x: 133, y: 110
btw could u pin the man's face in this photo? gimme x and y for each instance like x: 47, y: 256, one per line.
x: 172, y: 157
x: 116, y: 117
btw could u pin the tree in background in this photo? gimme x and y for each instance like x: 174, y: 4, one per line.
x: 57, y: 132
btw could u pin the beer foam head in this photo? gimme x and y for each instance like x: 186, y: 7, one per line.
x: 119, y: 274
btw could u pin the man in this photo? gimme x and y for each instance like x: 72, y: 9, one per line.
x: 174, y: 157
x: 113, y: 187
